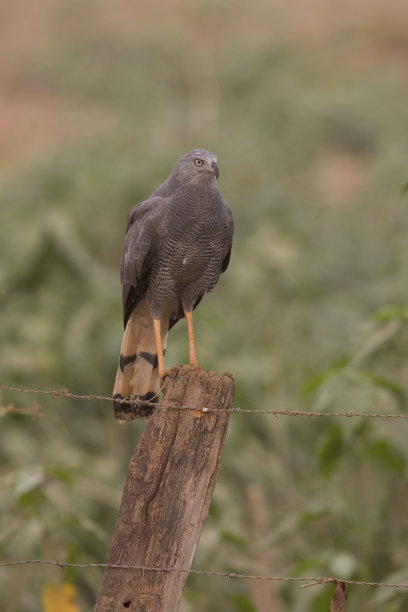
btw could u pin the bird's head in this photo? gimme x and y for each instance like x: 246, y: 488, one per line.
x: 198, y: 164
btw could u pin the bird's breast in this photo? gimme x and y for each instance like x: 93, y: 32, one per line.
x: 192, y: 244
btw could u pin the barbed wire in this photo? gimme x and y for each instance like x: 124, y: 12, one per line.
x: 338, y: 603
x: 65, y: 394
x: 308, y: 580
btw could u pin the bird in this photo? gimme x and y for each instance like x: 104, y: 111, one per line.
x: 177, y: 243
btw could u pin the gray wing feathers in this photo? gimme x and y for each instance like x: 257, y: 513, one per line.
x: 230, y: 232
x: 139, y: 251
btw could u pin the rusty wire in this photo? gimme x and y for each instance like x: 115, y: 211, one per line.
x: 308, y: 580
x: 65, y: 394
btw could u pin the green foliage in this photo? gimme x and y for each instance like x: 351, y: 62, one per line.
x: 311, y: 315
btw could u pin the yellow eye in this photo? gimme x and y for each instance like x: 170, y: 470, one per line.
x: 198, y: 162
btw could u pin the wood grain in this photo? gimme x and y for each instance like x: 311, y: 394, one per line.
x: 167, y: 494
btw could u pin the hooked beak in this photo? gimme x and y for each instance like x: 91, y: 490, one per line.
x: 214, y: 169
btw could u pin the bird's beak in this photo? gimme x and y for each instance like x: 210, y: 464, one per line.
x: 214, y: 169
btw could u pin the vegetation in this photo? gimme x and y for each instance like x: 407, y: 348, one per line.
x: 306, y: 112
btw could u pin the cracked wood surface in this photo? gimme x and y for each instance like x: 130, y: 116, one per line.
x: 167, y: 494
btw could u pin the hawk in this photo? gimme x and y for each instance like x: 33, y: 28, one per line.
x: 177, y: 244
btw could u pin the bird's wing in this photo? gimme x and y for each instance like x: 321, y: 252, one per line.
x: 141, y: 243
x: 229, y: 227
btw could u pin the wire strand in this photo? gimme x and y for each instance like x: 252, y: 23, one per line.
x: 307, y: 579
x: 65, y: 394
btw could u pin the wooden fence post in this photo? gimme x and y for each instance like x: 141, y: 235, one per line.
x: 167, y: 494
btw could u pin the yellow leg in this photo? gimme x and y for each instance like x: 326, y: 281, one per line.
x: 191, y: 343
x: 159, y: 347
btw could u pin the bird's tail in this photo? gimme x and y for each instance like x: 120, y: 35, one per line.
x: 137, y: 376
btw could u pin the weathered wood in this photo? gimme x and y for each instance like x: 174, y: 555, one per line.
x: 167, y: 494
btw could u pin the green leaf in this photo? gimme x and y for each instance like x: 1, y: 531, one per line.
x: 390, y: 385
x: 33, y: 500
x: 390, y: 311
x: 232, y: 538
x: 389, y: 456
x: 241, y: 603
x: 404, y: 190
x: 331, y: 449
x: 60, y: 474
x: 317, y: 381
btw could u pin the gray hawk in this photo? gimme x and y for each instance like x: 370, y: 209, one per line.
x: 177, y: 244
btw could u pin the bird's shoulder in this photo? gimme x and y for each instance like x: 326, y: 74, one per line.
x: 147, y: 210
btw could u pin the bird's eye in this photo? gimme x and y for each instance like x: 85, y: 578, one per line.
x: 198, y: 162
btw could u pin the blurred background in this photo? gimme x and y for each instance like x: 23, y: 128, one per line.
x: 306, y: 105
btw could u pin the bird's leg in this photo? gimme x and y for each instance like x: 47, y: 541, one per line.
x: 189, y: 319
x: 159, y: 347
